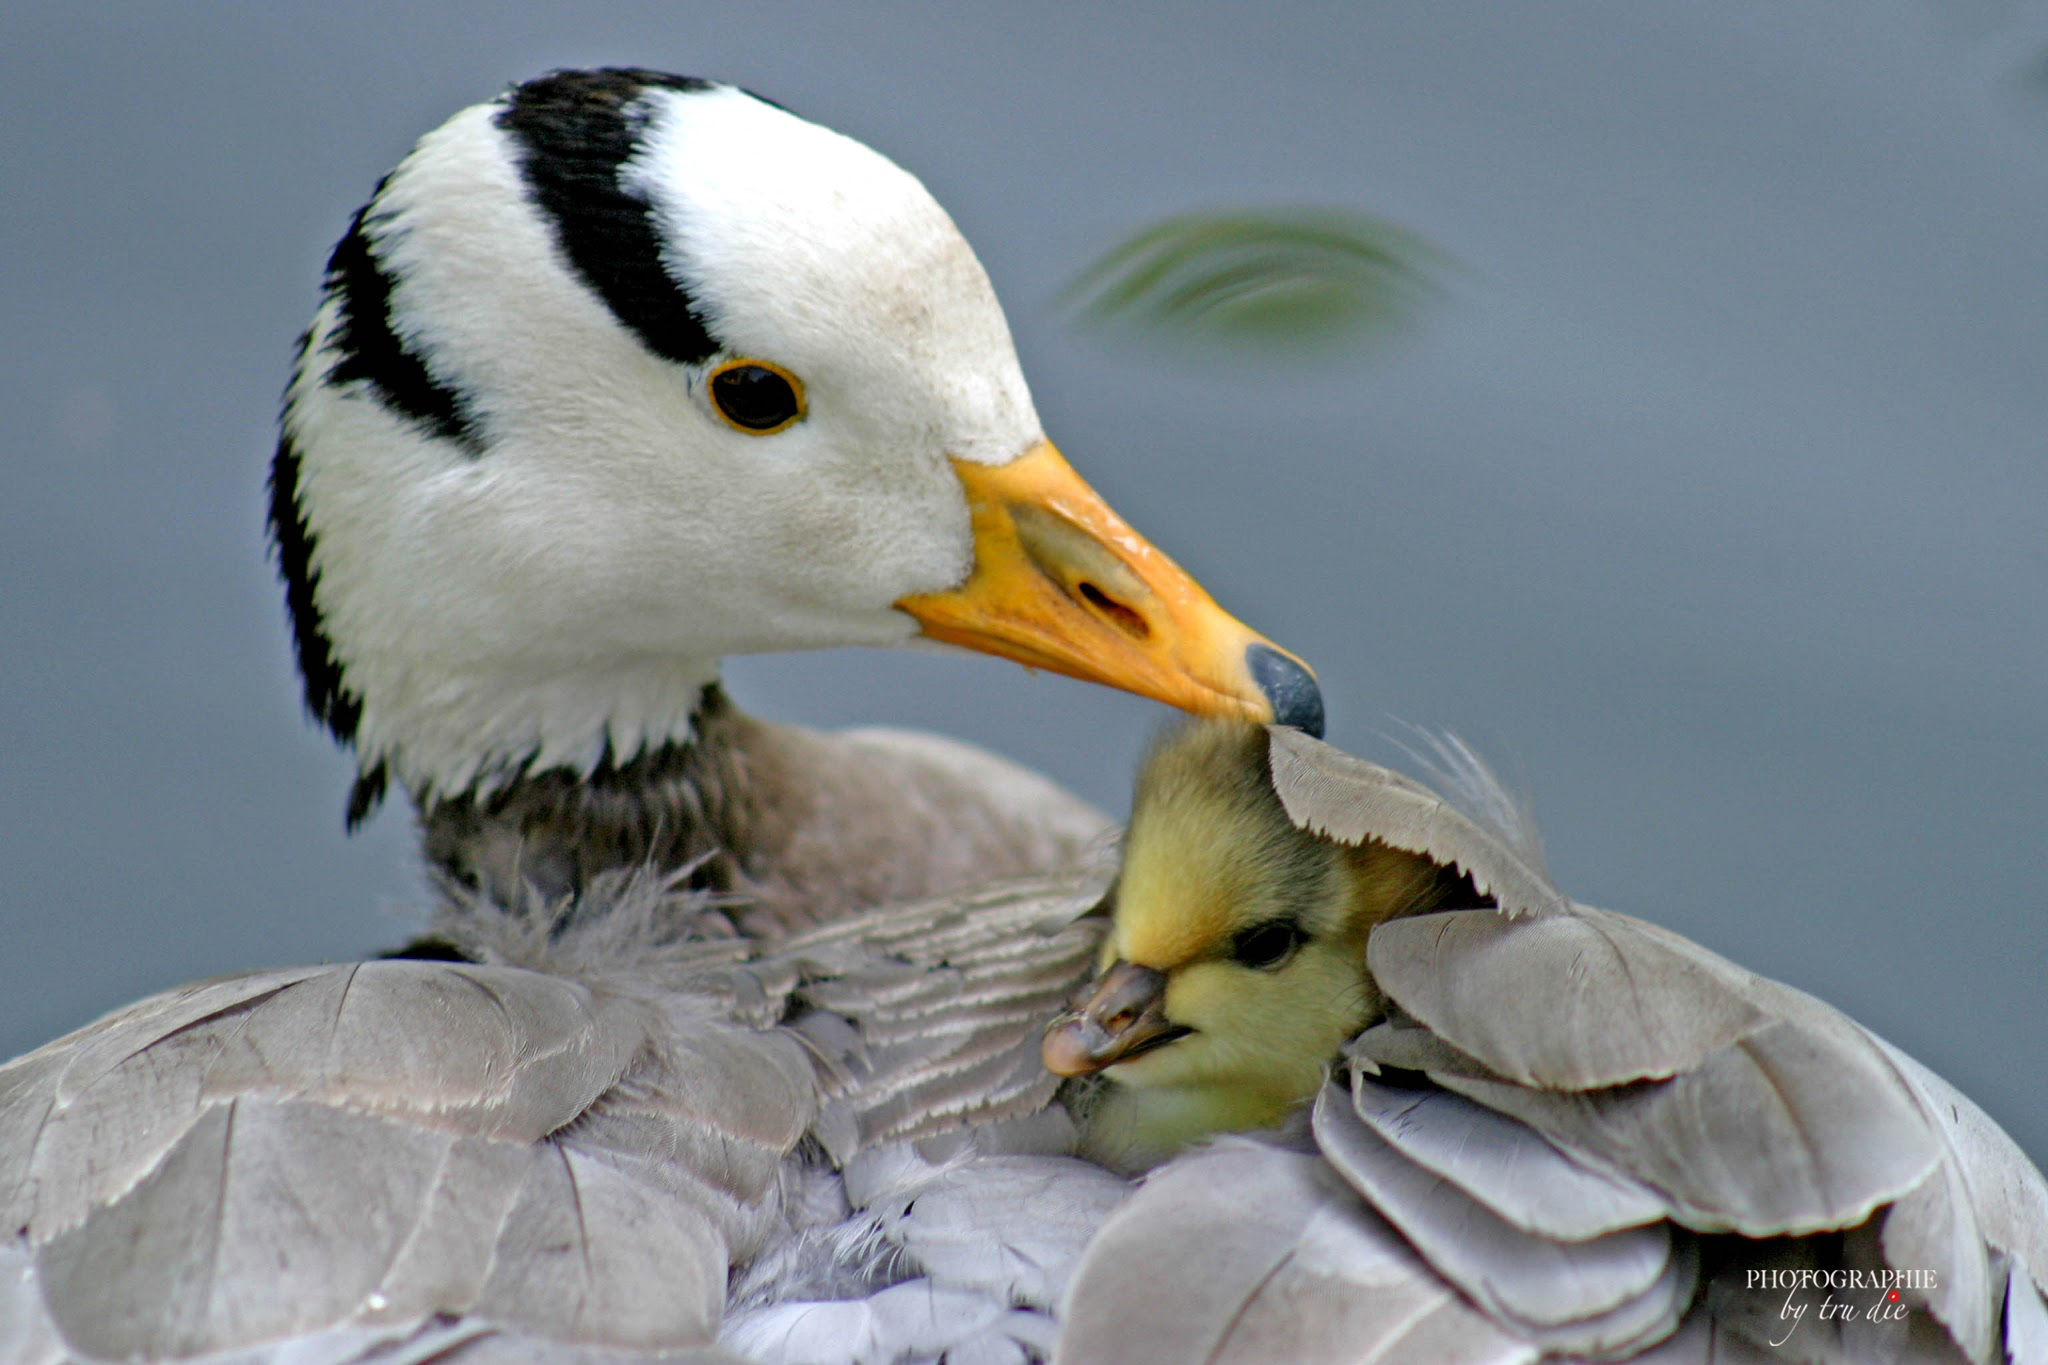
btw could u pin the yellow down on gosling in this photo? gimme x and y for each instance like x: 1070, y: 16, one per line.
x: 1235, y: 967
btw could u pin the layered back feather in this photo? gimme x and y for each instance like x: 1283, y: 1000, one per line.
x: 565, y: 1144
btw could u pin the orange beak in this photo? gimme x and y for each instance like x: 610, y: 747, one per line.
x: 1061, y: 582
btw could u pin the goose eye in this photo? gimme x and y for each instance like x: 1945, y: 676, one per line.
x: 1266, y: 946
x: 757, y: 397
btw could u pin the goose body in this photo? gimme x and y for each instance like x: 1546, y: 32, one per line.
x: 1563, y: 1133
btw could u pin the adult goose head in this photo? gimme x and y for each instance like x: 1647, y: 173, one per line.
x: 625, y: 372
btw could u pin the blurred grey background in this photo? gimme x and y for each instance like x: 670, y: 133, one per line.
x: 1710, y: 502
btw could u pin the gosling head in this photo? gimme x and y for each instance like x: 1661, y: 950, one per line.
x: 1235, y: 965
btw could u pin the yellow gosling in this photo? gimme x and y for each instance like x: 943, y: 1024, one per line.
x: 1235, y: 969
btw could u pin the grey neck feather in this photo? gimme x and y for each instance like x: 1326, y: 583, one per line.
x: 680, y: 809
x: 797, y: 827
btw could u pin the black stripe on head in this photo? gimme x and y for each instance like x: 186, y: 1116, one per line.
x: 368, y: 349
x: 328, y: 700
x: 576, y: 130
x: 333, y: 705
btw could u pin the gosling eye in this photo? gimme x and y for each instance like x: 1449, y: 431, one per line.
x: 1267, y: 946
x: 756, y: 397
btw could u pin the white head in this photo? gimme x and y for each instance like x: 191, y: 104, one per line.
x: 536, y: 477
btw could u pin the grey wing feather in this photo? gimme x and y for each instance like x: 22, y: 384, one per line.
x: 1779, y: 1134
x: 1504, y: 1165
x: 1934, y: 1227
x: 591, y: 1255
x: 1576, y: 1000
x: 991, y: 1221
x: 1984, y: 1196
x: 489, y: 1051
x: 83, y: 1118
x: 1329, y: 792
x: 1762, y: 1112
x: 1399, y: 1042
x: 1243, y: 1252
x: 2009, y: 1196
x: 89, y: 1053
x: 469, y: 1049
x: 933, y: 1012
x: 1602, y: 1295
x: 344, y: 1155
x: 1010, y: 1226
x: 265, y: 1221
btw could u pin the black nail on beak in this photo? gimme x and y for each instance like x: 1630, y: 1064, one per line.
x: 1288, y: 687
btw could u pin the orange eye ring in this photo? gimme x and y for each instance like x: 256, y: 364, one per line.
x: 757, y: 397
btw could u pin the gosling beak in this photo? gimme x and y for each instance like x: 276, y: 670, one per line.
x: 1061, y: 582
x: 1123, y: 1015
